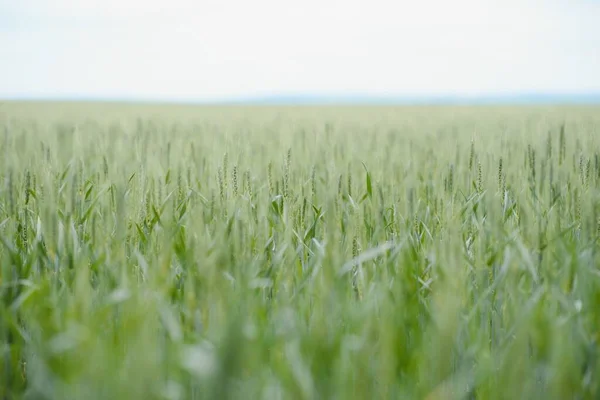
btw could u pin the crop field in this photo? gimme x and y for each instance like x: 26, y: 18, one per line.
x: 181, y: 252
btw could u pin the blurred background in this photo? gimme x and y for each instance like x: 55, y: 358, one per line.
x: 228, y: 50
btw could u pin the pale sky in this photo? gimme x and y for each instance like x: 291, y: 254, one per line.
x: 218, y: 49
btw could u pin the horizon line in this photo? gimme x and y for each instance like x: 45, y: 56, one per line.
x: 525, y: 98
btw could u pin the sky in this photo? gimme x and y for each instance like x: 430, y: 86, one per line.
x: 230, y: 49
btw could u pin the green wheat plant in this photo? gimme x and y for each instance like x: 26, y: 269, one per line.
x: 179, y: 252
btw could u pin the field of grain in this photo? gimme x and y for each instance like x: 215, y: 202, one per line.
x: 179, y: 252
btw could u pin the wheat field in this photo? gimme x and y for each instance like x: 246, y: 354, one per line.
x: 197, y: 252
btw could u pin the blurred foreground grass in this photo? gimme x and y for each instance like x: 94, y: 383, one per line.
x: 162, y: 252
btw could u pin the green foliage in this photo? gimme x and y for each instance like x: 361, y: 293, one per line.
x: 208, y: 253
